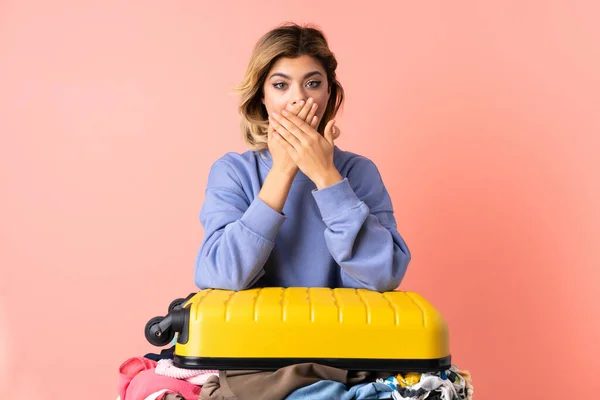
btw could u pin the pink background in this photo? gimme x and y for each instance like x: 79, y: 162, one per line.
x: 482, y: 116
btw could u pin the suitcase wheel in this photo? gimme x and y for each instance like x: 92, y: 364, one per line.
x: 176, y: 303
x: 155, y: 335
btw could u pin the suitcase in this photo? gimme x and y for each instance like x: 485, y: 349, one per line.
x: 270, y: 328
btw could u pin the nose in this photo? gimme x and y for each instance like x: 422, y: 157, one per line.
x: 298, y: 100
x: 298, y: 95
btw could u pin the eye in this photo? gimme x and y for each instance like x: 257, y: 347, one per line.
x: 279, y: 85
x: 313, y: 84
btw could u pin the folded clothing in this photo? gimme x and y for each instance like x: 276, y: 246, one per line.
x: 165, y: 367
x: 277, y: 385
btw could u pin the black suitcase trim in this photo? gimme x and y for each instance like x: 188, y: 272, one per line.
x: 352, y: 364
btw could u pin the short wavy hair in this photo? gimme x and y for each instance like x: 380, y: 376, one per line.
x: 289, y: 40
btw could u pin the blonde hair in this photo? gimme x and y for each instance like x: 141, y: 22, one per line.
x: 290, y: 41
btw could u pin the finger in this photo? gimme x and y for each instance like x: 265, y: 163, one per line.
x: 290, y: 127
x: 297, y: 126
x: 312, y: 113
x: 295, y: 108
x: 336, y: 132
x: 269, y: 131
x: 286, y: 145
x: 315, y: 122
x: 306, y: 109
x: 285, y: 133
x: 328, y: 134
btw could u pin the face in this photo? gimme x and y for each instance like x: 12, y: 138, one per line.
x: 291, y: 80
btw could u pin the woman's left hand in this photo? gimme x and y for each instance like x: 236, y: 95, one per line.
x: 312, y: 152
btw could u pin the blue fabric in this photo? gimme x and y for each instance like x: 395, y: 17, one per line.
x: 335, y: 390
x: 344, y: 235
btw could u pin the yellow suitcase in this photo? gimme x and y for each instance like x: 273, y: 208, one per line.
x: 270, y: 328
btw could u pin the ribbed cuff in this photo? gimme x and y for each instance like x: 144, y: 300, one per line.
x: 335, y: 199
x: 262, y: 219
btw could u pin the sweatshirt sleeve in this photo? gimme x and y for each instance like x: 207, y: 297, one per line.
x: 239, y: 235
x: 361, y: 230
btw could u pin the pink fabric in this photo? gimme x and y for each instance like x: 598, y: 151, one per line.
x: 165, y: 367
x: 162, y: 395
x: 147, y: 382
x: 129, y: 369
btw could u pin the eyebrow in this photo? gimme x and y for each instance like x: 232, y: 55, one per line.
x: 287, y: 77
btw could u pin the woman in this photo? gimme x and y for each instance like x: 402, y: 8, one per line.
x: 296, y: 210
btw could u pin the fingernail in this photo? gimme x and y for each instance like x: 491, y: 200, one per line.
x: 275, y: 115
x: 310, y: 100
x: 301, y: 103
x: 284, y: 112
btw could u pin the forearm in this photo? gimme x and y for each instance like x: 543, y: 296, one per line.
x: 373, y: 256
x: 367, y: 247
x: 275, y: 189
x: 234, y: 252
x: 327, y: 178
x: 232, y: 259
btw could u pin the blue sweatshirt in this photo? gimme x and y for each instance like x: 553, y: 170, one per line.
x: 343, y: 235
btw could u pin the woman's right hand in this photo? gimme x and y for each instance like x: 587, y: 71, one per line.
x: 282, y: 162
